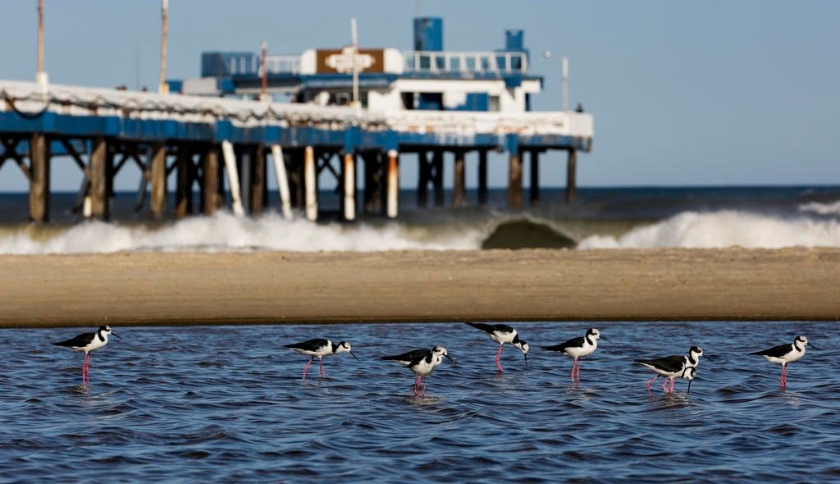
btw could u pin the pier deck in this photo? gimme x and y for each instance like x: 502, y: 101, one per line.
x: 210, y: 140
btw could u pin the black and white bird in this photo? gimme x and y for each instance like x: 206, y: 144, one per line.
x: 672, y: 367
x: 689, y: 373
x: 319, y: 348
x: 784, y: 354
x: 502, y: 333
x: 88, y: 342
x: 577, y: 348
x: 422, y: 363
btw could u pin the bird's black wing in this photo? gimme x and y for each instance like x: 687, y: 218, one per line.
x: 77, y: 342
x: 410, y: 356
x: 562, y: 346
x: 672, y: 363
x: 776, y: 351
x: 311, y: 345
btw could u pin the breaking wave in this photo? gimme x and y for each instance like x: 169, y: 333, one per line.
x: 724, y: 229
x: 224, y: 232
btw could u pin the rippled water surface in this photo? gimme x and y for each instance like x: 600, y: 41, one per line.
x: 227, y: 404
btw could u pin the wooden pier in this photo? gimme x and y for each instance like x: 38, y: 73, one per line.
x: 221, y: 148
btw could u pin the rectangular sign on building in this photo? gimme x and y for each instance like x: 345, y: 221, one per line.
x: 332, y: 61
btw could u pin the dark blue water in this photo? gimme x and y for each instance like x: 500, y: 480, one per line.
x: 227, y: 404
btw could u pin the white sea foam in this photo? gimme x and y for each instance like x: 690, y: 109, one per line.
x: 225, y: 232
x: 724, y: 229
x: 821, y: 208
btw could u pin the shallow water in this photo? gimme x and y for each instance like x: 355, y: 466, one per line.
x: 227, y: 404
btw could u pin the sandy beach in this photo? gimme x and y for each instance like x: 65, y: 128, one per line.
x: 498, y: 285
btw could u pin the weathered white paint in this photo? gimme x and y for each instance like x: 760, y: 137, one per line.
x: 233, y: 177
x: 349, y: 186
x: 282, y: 181
x: 310, y: 181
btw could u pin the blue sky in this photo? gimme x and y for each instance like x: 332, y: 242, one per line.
x: 684, y: 93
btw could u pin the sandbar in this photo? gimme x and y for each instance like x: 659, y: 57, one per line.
x: 153, y: 288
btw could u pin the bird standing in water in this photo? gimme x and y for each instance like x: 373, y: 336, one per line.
x: 502, y: 333
x: 784, y: 354
x: 319, y: 348
x: 88, y: 342
x: 422, y: 363
x: 577, y: 348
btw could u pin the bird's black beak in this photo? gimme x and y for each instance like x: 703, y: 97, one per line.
x: 115, y: 334
x: 689, y: 388
x: 812, y: 346
x: 354, y: 356
x: 526, y: 359
x: 708, y: 357
x: 605, y: 338
x: 450, y: 359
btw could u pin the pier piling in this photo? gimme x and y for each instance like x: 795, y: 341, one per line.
x: 515, y: 180
x: 535, y: 178
x: 459, y: 184
x: 571, y: 182
x: 393, y: 183
x: 39, y: 180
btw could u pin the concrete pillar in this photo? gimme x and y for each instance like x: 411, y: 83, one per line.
x: 210, y: 181
x: 349, y: 182
x: 571, y: 182
x: 282, y: 181
x: 39, y: 181
x: 158, y: 175
x: 258, y: 181
x: 535, y: 178
x: 422, y: 179
x: 438, y: 178
x: 393, y: 201
x: 482, y: 177
x: 183, y: 189
x: 310, y: 182
x: 233, y: 178
x: 515, y: 180
x: 459, y: 183
x: 98, y: 180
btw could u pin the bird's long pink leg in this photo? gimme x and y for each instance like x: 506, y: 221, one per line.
x: 783, y: 379
x: 673, y: 380
x: 577, y: 372
x: 306, y: 367
x: 665, y: 385
x: 417, y: 386
x: 321, y: 366
x: 498, y: 357
x: 651, y: 381
x: 426, y: 380
x: 86, y: 368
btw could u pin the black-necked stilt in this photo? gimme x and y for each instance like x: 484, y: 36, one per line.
x: 672, y: 367
x: 577, y: 348
x: 689, y: 373
x: 421, y: 362
x: 784, y: 354
x: 319, y: 348
x: 88, y: 342
x: 502, y: 333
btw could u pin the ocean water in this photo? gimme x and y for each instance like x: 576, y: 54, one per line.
x: 710, y: 217
x: 227, y: 404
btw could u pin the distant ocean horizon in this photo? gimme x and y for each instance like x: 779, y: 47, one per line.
x: 619, y: 217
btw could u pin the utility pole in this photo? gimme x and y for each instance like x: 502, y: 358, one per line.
x: 264, y: 65
x: 163, y: 88
x: 355, y: 40
x: 565, y: 84
x: 41, y: 76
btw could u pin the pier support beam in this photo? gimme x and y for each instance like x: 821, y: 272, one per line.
x: 183, y: 190
x: 392, y: 208
x: 437, y: 179
x: 482, y: 177
x: 310, y: 182
x: 39, y: 181
x: 375, y: 169
x: 258, y: 180
x: 158, y: 180
x: 571, y: 181
x: 349, y: 184
x: 282, y: 181
x: 233, y: 178
x: 535, y: 178
x: 514, y: 195
x: 99, y: 179
x: 210, y: 181
x: 423, y: 179
x: 459, y: 183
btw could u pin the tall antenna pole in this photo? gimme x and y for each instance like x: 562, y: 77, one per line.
x: 355, y: 40
x: 565, y: 84
x: 41, y: 76
x: 264, y: 91
x: 163, y: 88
